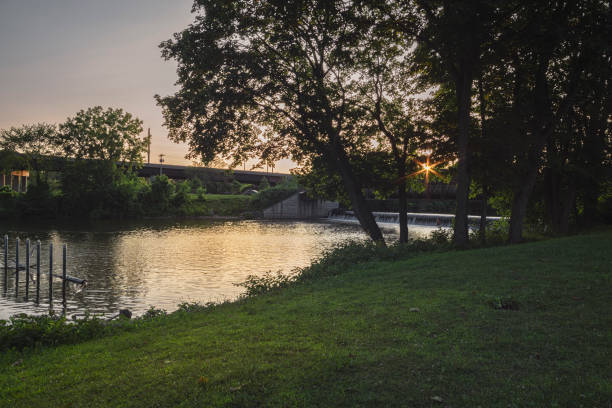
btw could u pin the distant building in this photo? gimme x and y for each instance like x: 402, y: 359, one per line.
x: 17, y: 180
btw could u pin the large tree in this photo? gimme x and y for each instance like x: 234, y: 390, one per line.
x: 389, y: 93
x: 102, y: 147
x: 110, y: 135
x: 270, y: 76
x: 451, y: 36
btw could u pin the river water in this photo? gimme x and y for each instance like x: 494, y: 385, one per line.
x: 162, y: 263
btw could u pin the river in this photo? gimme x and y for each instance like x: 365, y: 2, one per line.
x: 161, y: 263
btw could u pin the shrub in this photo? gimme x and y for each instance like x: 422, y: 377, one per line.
x: 161, y: 192
x: 266, y: 198
x: 604, y: 203
x: 195, y: 184
x: 8, y: 201
x: 24, y: 331
x: 181, y: 196
x: 338, y: 260
x: 257, y: 285
x: 264, y: 184
x: 200, y: 193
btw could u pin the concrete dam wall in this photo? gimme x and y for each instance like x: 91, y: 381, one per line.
x: 299, y: 206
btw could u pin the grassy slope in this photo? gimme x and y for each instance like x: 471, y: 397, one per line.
x: 351, y: 340
x: 220, y: 204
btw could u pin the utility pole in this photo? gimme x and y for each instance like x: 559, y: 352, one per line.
x: 149, y: 146
x: 161, y: 162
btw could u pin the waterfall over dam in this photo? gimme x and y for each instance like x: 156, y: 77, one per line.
x: 425, y: 219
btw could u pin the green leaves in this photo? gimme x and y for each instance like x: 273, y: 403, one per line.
x: 109, y: 135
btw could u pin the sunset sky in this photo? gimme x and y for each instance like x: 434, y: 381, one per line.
x: 60, y: 56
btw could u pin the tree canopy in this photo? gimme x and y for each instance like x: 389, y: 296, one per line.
x: 514, y: 94
x: 110, y: 135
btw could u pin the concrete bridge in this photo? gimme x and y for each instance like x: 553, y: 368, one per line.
x: 211, y: 174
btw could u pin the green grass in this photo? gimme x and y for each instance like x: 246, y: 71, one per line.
x: 355, y: 339
x: 219, y: 204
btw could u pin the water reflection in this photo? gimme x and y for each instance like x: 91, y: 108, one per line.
x: 163, y: 263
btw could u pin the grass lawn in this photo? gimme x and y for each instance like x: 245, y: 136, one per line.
x: 219, y: 204
x: 521, y: 326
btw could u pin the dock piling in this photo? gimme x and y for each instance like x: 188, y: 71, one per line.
x: 27, y: 268
x: 51, y: 275
x: 17, y: 267
x: 37, y: 271
x: 5, y: 262
x: 64, y: 250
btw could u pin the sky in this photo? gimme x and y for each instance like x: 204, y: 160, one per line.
x: 60, y: 56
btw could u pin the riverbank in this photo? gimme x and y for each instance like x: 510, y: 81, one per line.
x: 523, y: 325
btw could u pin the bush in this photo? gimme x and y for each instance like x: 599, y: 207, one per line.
x: 161, y: 192
x: 340, y: 259
x: 100, y: 190
x: 604, y: 203
x: 257, y: 285
x: 200, y: 193
x: 266, y: 198
x: 181, y: 196
x: 8, y: 201
x: 264, y: 184
x: 24, y: 331
x: 195, y: 184
x: 38, y: 201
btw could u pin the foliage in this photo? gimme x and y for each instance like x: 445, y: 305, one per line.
x: 340, y: 258
x: 110, y: 135
x: 8, y: 202
x: 161, y: 192
x: 36, y: 145
x: 24, y: 331
x: 264, y: 184
x: 257, y: 285
x: 264, y: 88
x: 236, y: 186
x: 100, y: 189
x: 38, y: 201
x: 270, y: 196
x: 181, y: 195
x: 605, y: 203
x: 195, y: 183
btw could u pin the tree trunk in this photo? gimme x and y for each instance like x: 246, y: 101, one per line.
x: 532, y: 164
x: 590, y: 213
x: 567, y: 205
x: 483, y: 209
x: 464, y: 91
x: 519, y: 206
x: 363, y: 213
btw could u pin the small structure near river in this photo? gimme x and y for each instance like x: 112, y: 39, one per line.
x: 300, y: 206
x: 17, y: 180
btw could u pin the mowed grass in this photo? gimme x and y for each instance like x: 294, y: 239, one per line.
x: 424, y: 332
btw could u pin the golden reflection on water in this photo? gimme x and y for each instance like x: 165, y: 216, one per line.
x: 163, y: 264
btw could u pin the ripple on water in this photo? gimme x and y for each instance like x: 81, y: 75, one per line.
x: 162, y: 263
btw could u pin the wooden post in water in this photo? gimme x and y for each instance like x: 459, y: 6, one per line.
x: 16, y: 267
x: 37, y: 271
x: 64, y: 249
x: 27, y: 266
x: 5, y: 262
x: 51, y: 275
